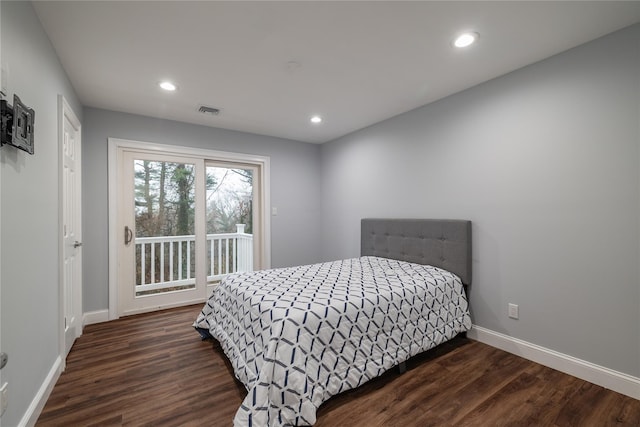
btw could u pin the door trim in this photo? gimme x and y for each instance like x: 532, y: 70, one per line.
x: 115, y: 144
x: 65, y: 110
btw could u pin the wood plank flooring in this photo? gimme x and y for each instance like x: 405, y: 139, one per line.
x: 153, y: 370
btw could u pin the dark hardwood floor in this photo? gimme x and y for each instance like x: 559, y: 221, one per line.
x: 153, y: 370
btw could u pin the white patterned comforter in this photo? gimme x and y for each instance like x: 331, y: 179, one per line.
x: 297, y: 336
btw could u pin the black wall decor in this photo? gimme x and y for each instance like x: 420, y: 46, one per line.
x: 17, y: 125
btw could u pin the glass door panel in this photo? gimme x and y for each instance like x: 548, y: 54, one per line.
x: 164, y: 226
x: 229, y: 220
x: 162, y: 216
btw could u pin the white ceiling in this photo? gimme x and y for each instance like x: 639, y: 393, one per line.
x: 269, y: 66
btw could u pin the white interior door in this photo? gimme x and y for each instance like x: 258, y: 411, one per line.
x: 71, y: 269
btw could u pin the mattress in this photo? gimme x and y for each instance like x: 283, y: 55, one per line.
x: 297, y: 336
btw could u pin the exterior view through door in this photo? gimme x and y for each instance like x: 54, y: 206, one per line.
x: 184, y: 223
x: 229, y: 210
x: 164, y: 238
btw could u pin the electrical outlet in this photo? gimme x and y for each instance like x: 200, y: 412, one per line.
x: 4, y: 398
x: 513, y: 311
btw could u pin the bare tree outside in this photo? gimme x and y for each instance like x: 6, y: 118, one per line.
x: 164, y: 198
x: 229, y: 199
x: 229, y: 203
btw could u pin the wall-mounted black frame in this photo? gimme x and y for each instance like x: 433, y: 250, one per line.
x: 17, y: 125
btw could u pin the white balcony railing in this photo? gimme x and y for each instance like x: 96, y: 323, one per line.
x: 169, y: 262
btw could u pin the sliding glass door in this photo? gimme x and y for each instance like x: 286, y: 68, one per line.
x: 184, y: 222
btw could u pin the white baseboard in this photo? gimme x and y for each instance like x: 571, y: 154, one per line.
x: 596, y: 374
x: 98, y: 316
x: 37, y: 404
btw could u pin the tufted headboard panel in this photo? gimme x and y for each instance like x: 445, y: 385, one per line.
x: 444, y: 243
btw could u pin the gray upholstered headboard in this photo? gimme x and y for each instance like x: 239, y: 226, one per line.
x: 443, y: 243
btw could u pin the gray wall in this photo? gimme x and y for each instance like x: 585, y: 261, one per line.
x: 545, y: 162
x: 295, y: 188
x: 29, y: 185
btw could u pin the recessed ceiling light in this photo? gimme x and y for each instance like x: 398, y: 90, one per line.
x: 316, y: 119
x: 167, y: 85
x: 466, y: 39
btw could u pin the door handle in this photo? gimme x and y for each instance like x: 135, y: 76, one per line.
x: 77, y: 244
x: 128, y: 235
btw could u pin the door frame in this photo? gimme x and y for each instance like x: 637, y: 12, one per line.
x: 114, y: 147
x: 65, y: 111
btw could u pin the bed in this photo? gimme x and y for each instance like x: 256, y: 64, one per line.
x: 297, y: 336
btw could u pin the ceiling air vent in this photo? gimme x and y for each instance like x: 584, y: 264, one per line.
x: 209, y: 110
